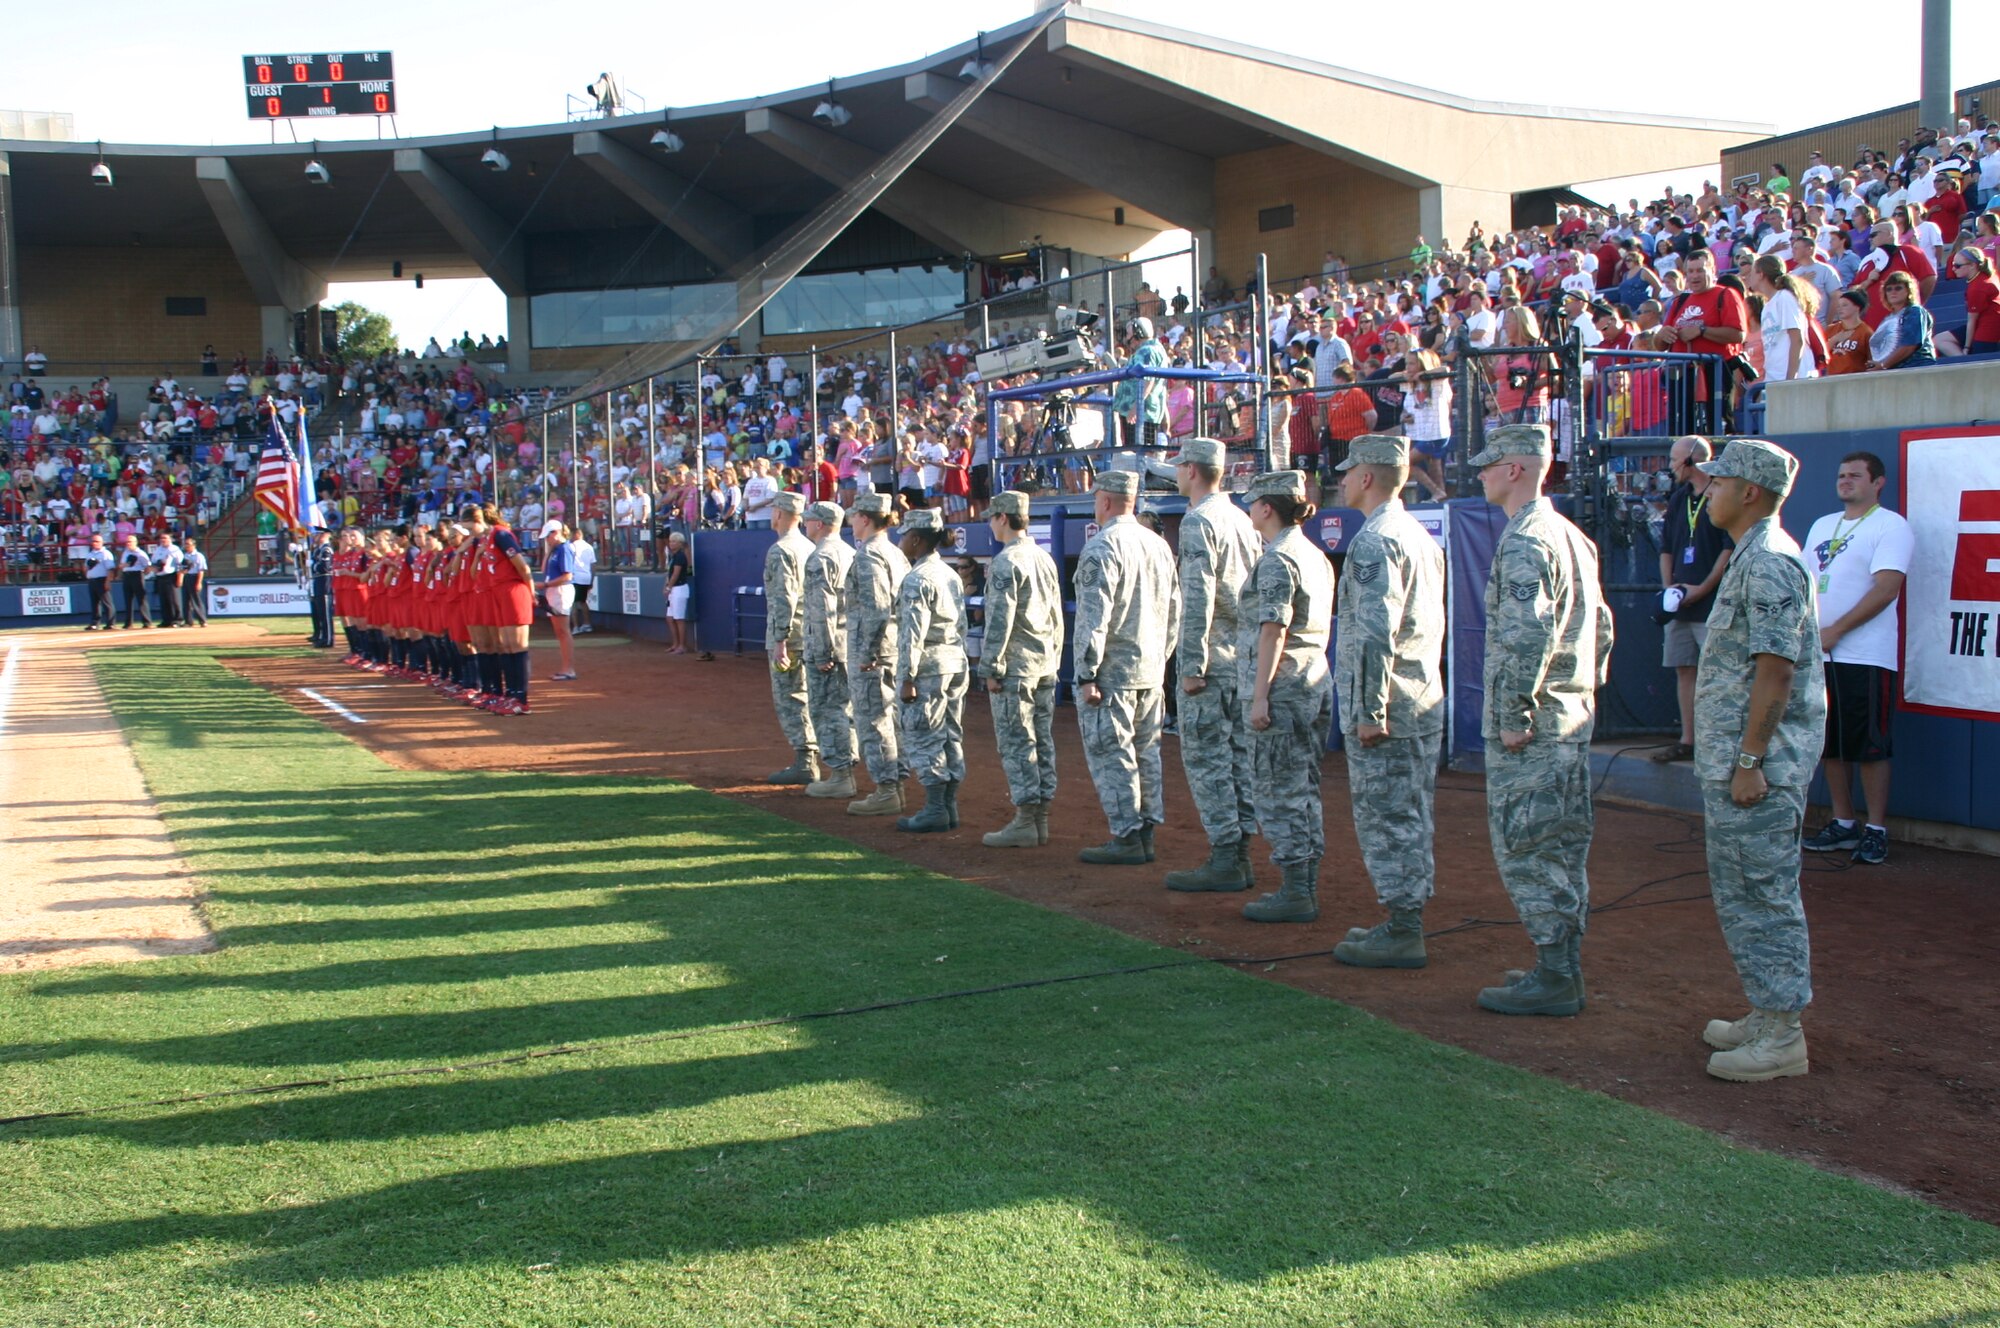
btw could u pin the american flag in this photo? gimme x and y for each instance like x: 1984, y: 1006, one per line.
x: 278, y: 477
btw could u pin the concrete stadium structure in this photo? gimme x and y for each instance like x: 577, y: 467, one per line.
x: 1104, y: 131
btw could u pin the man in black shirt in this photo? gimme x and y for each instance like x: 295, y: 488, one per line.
x: 1694, y: 552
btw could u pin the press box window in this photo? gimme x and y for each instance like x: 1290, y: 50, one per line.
x: 1275, y: 218
x: 187, y: 306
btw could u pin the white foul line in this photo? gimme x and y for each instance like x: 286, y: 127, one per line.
x: 7, y: 673
x: 333, y: 705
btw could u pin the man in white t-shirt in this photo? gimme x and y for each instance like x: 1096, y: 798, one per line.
x: 758, y: 491
x: 582, y: 572
x: 1857, y: 558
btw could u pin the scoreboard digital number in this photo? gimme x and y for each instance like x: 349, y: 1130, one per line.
x: 284, y: 87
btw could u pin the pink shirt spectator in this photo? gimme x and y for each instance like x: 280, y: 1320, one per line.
x: 852, y: 450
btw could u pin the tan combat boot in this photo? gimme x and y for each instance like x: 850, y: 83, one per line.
x: 886, y: 800
x: 1017, y: 833
x: 837, y: 784
x: 1775, y: 1049
x: 1041, y: 822
x: 1728, y: 1034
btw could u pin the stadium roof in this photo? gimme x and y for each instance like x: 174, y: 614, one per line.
x: 1105, y: 116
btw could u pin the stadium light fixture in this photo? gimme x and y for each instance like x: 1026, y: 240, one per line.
x: 316, y: 171
x: 830, y: 112
x: 979, y: 66
x: 665, y: 139
x: 493, y: 159
x: 100, y: 174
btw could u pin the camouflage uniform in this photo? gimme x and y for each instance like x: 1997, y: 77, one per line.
x: 1218, y: 548
x: 1022, y: 650
x: 1292, y: 585
x: 1548, y: 647
x: 784, y: 621
x: 1126, y: 617
x: 1763, y: 606
x: 1386, y: 658
x: 873, y: 578
x: 930, y: 626
x: 827, y: 690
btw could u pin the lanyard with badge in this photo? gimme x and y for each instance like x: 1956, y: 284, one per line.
x: 1694, y: 516
x: 1838, y: 545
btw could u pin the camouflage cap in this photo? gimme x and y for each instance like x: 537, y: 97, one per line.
x: 1124, y: 483
x: 923, y: 518
x: 1529, y: 440
x: 874, y: 504
x: 829, y: 513
x: 1011, y: 502
x: 1766, y: 465
x: 788, y: 501
x: 1200, y: 452
x: 1277, y: 484
x: 1377, y: 449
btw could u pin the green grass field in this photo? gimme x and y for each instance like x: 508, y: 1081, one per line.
x: 1183, y: 1146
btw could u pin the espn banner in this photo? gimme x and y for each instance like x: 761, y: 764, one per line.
x: 1951, y: 601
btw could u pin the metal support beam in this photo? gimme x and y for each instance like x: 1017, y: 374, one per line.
x: 1173, y: 184
x: 482, y: 233
x: 12, y: 343
x: 1935, y: 103
x: 956, y: 219
x: 277, y: 280
x: 720, y: 230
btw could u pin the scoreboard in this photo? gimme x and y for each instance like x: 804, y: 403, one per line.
x: 282, y: 87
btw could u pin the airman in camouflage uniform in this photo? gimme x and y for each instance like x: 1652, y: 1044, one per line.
x: 930, y: 668
x: 1760, y: 722
x: 828, y: 696
x: 1386, y: 675
x: 1018, y: 663
x: 784, y: 637
x: 1288, y: 616
x: 1218, y: 547
x: 1548, y: 649
x: 873, y: 579
x: 1127, y: 616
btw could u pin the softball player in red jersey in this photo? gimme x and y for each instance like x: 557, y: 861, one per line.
x: 511, y: 587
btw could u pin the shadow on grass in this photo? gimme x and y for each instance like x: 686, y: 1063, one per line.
x: 1229, y: 1129
x: 1239, y: 1127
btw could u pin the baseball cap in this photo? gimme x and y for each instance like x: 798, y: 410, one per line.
x: 1763, y: 464
x: 1200, y: 452
x: 1377, y: 449
x: 1530, y: 440
x: 1277, y: 484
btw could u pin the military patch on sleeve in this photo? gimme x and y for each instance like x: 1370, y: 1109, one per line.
x: 1088, y: 574
x: 1524, y: 591
x: 1365, y: 573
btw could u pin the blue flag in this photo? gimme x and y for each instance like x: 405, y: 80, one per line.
x: 309, y: 515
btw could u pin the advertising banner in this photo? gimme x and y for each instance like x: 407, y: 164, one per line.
x: 41, y: 601
x: 1951, y: 600
x: 246, y: 599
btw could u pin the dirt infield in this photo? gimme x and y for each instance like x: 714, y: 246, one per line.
x: 1906, y: 1057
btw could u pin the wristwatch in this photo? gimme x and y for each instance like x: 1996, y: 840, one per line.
x: 1745, y: 761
